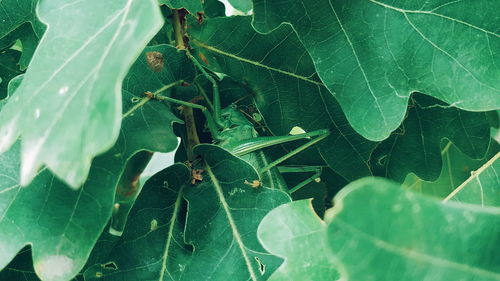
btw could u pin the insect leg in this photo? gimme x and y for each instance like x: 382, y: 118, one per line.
x: 254, y: 144
x: 215, y: 88
x: 294, y: 152
x: 299, y: 169
x: 317, y: 173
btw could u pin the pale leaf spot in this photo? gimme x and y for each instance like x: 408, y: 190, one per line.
x: 297, y: 131
x: 63, y: 90
x: 397, y: 208
x: 55, y: 267
x: 153, y: 225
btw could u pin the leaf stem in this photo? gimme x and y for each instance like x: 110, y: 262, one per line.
x: 148, y: 98
x: 179, y: 36
x: 191, y: 131
x: 474, y: 175
x: 211, y: 124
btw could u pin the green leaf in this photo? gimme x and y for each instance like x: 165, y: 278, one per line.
x: 457, y: 167
x: 153, y: 231
x: 16, y: 13
x: 215, y: 240
x: 18, y: 20
x: 29, y: 41
x: 241, y: 5
x: 63, y: 224
x: 102, y: 248
x: 193, y: 6
x: 81, y: 82
x: 483, y: 187
x: 379, y: 231
x: 20, y: 268
x: 223, y: 215
x: 8, y: 69
x: 214, y: 8
x: 372, y: 55
x: 317, y: 191
x: 294, y: 232
x: 429, y: 122
x: 285, y: 86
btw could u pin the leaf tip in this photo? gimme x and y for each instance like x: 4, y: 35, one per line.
x: 57, y: 267
x: 29, y: 163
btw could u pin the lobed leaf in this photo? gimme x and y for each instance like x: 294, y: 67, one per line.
x: 372, y: 54
x: 287, y: 92
x: 153, y: 237
x: 63, y: 224
x: 457, y: 167
x: 80, y: 82
x: 429, y: 122
x: 223, y: 215
x: 215, y: 238
x: 294, y: 232
x: 378, y: 231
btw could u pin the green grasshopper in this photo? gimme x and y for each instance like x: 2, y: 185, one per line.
x: 241, y: 138
x: 231, y: 130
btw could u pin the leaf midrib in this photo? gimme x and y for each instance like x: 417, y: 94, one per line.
x: 170, y: 233
x: 232, y: 224
x: 255, y: 63
x: 474, y: 175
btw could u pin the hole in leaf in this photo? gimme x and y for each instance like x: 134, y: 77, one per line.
x: 381, y: 160
x: 165, y: 184
x: 110, y: 265
x: 262, y: 267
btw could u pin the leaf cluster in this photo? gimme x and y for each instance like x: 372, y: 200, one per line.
x: 313, y: 140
